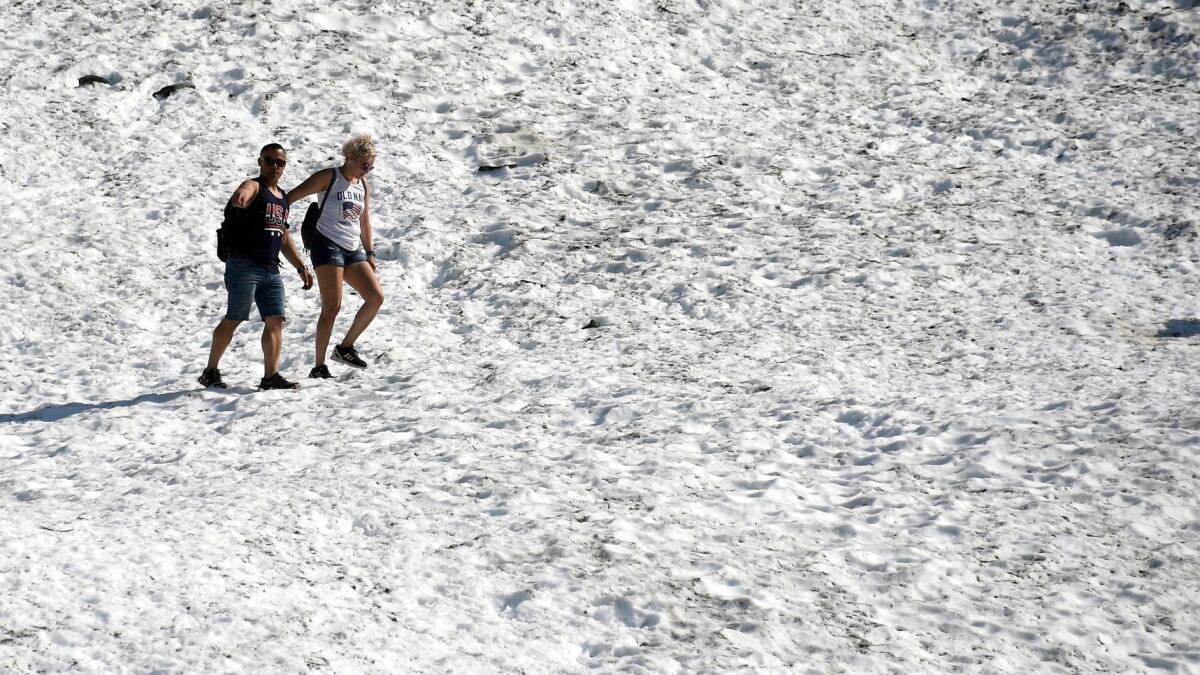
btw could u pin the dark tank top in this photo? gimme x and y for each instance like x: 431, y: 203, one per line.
x: 259, y: 228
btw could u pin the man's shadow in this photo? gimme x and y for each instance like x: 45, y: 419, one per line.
x: 1180, y: 328
x: 56, y: 412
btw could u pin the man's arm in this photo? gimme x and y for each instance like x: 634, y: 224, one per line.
x: 289, y: 252
x: 245, y: 194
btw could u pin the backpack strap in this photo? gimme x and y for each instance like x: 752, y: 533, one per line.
x: 332, y: 179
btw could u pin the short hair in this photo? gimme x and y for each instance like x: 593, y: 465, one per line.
x: 359, y: 146
x: 272, y: 146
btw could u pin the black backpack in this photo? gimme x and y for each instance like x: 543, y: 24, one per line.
x: 223, y: 237
x: 308, y: 229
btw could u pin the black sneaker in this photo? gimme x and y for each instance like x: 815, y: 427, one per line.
x: 276, y: 381
x: 320, y: 372
x: 211, y: 377
x: 348, y: 356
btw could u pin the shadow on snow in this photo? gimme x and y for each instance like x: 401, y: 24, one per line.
x: 54, y: 413
x: 1180, y: 328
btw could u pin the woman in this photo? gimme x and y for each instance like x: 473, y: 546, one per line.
x: 341, y: 248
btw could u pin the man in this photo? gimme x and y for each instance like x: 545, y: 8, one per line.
x: 256, y: 231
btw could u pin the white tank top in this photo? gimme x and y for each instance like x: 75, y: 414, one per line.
x: 343, y: 208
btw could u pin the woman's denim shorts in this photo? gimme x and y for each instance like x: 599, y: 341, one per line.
x: 248, y: 281
x: 325, y: 252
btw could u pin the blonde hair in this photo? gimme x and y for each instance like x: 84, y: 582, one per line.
x: 359, y: 146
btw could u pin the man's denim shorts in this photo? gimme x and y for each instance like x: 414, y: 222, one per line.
x: 248, y: 281
x: 325, y: 252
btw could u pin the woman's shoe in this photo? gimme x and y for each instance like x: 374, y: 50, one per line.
x: 348, y: 356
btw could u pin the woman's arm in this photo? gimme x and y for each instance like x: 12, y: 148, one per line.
x: 315, y: 183
x: 364, y: 225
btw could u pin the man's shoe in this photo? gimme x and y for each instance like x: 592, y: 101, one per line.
x: 320, y: 372
x: 348, y: 356
x: 211, y: 377
x: 276, y: 381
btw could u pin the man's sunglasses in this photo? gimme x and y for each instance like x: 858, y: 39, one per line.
x: 271, y: 161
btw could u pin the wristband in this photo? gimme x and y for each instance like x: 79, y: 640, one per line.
x: 370, y: 253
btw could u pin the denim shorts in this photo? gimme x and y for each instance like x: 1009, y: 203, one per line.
x: 248, y: 281
x: 325, y: 252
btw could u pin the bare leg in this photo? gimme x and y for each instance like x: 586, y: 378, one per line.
x: 362, y: 278
x: 272, y: 343
x: 329, y: 279
x: 222, y: 336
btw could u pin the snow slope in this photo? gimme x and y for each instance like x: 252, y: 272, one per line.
x: 719, y: 337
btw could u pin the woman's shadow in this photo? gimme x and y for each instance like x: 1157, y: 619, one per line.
x: 56, y: 412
